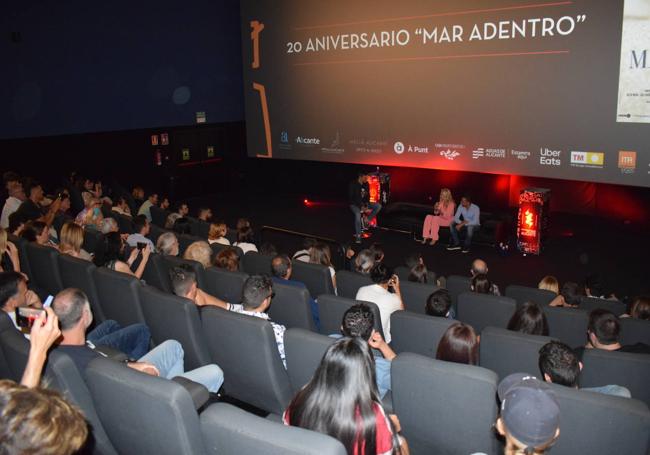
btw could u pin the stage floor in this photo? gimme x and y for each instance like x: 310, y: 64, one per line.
x: 577, y: 245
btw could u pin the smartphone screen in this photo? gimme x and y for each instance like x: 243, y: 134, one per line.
x: 48, y: 301
x: 25, y: 316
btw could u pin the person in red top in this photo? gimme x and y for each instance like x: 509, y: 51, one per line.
x: 342, y: 401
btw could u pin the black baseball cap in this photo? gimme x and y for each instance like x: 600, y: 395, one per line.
x: 529, y: 409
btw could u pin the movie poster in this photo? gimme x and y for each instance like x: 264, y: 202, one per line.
x: 634, y: 82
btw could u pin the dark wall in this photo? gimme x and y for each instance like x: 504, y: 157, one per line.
x: 77, y: 66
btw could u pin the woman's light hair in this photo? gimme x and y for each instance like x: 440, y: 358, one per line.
x: 200, y: 252
x: 72, y: 237
x: 217, y: 231
x: 549, y: 283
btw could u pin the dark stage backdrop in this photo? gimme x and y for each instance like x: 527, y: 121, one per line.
x: 554, y: 89
x: 77, y: 66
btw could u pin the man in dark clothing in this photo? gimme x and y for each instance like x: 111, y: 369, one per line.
x: 359, y: 201
x: 31, y: 209
x: 603, y: 332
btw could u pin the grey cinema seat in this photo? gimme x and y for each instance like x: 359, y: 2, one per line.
x: 175, y: 318
x: 523, y: 294
x: 257, y: 264
x: 156, y: 273
x: 482, y: 310
x: 621, y: 368
x: 158, y: 216
x: 143, y: 413
x: 170, y: 262
x: 228, y: 430
x: 15, y: 350
x: 21, y: 245
x: 77, y: 273
x: 44, y: 266
x: 225, y: 284
x: 5, y: 324
x: 417, y: 333
x: 331, y: 309
x: 93, y: 242
x: 415, y: 295
x: 118, y: 296
x: 456, y: 285
x: 506, y: 352
x: 348, y: 283
x: 291, y: 308
x: 124, y: 223
x: 634, y: 331
x: 185, y: 240
x: 569, y: 325
x: 304, y: 350
x: 316, y: 277
x: 245, y: 349
x: 443, y: 407
x: 600, y: 424
x: 155, y: 232
x: 589, y: 304
x: 62, y: 374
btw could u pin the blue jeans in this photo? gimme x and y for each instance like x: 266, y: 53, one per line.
x: 470, y: 228
x: 612, y: 389
x: 168, y: 358
x: 375, y: 207
x: 132, y: 340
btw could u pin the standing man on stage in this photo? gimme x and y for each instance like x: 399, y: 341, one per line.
x: 359, y: 196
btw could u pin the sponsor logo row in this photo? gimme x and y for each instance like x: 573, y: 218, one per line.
x: 545, y: 156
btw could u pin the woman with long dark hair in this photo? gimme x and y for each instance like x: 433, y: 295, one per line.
x: 459, y: 344
x: 530, y: 319
x: 342, y: 401
x: 114, y: 258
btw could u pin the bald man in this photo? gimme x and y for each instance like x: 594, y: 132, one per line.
x: 479, y: 267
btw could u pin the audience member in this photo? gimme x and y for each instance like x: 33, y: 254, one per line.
x: 31, y: 208
x: 122, y: 207
x: 72, y: 238
x: 165, y: 360
x: 415, y: 263
x: 182, y: 209
x: 439, y: 304
x: 282, y: 269
x: 245, y: 237
x: 594, y: 287
x: 39, y: 421
x: 459, y: 344
x: 377, y: 251
x: 603, y: 332
x: 227, y: 259
x: 468, y: 217
x: 641, y: 308
x: 529, y: 319
x: 44, y: 332
x: 200, y: 252
x: 164, y: 203
x: 482, y: 285
x: 14, y: 294
x: 37, y: 232
x: 167, y: 244
x: 91, y: 216
x: 256, y: 299
x: 109, y: 225
x: 380, y: 294
x: 529, y: 418
x: 303, y: 255
x: 171, y: 220
x: 9, y: 257
x: 268, y: 249
x: 479, y: 267
x: 184, y: 284
x: 550, y: 283
x: 114, y: 256
x: 560, y: 365
x: 358, y: 321
x: 571, y: 293
x: 217, y: 233
x: 16, y: 223
x: 16, y: 197
x: 342, y: 401
x: 182, y: 226
x: 419, y: 274
x: 145, y: 208
x: 142, y: 226
x: 320, y: 254
x: 364, y: 262
x: 204, y: 214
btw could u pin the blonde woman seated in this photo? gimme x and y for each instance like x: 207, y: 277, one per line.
x: 217, y: 234
x: 72, y: 237
x: 9, y: 258
x: 200, y: 252
x: 443, y: 215
x: 550, y: 283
